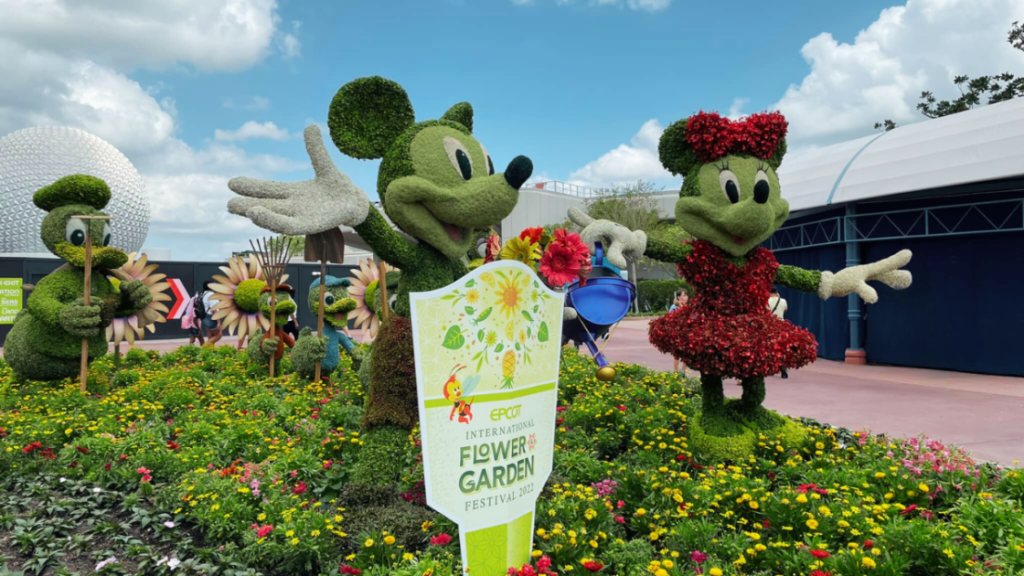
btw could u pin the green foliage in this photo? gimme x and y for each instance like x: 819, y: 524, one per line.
x: 740, y: 446
x: 632, y: 206
x: 461, y: 113
x: 657, y: 295
x: 798, y: 278
x: 381, y: 457
x: 392, y: 392
x: 367, y: 116
x: 69, y: 190
x: 675, y: 153
x: 247, y: 295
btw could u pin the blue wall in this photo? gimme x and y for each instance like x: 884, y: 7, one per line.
x: 826, y: 319
x: 964, y: 311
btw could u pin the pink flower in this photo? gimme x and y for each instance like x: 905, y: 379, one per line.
x: 264, y: 531
x: 441, y: 539
x: 350, y: 570
x: 300, y: 488
x: 698, y: 557
x: 559, y: 265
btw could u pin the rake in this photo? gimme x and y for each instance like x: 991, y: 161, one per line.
x: 273, y: 256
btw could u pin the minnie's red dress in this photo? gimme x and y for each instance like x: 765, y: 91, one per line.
x: 726, y: 329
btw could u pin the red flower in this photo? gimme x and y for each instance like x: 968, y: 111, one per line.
x: 560, y: 264
x: 441, y: 539
x: 621, y: 408
x: 34, y: 445
x: 713, y: 136
x: 820, y: 554
x: 328, y: 464
x: 350, y: 570
x: 171, y: 445
x: 107, y: 467
x: 82, y: 450
x: 909, y: 510
x: 593, y: 566
x: 493, y: 248
x: 868, y: 544
x: 264, y: 531
x: 820, y: 573
x: 532, y: 234
x: 299, y: 488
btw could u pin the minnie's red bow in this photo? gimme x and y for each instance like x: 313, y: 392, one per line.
x: 713, y: 136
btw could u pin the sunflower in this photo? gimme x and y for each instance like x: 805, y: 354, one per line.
x: 510, y: 294
x: 128, y: 327
x: 365, y: 285
x: 237, y: 295
x: 522, y: 250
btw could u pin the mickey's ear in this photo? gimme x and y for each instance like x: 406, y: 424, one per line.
x: 367, y: 116
x: 776, y: 160
x: 461, y: 113
x: 676, y: 154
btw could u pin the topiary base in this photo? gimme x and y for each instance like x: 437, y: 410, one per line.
x: 744, y: 437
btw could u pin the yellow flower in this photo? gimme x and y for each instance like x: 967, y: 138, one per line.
x: 289, y: 534
x: 368, y: 543
x: 509, y: 294
x: 754, y: 505
x: 879, y: 474
x: 407, y: 557
x: 715, y: 572
x: 294, y: 541
x: 812, y: 524
x: 389, y: 540
x: 922, y: 487
x: 641, y: 512
x: 867, y: 562
x: 522, y: 250
x: 472, y: 296
x: 314, y: 533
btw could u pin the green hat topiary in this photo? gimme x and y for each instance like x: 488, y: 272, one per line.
x: 76, y: 189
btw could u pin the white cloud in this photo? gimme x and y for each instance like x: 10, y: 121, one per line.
x: 628, y: 163
x: 908, y: 49
x: 252, y: 103
x: 64, y: 62
x: 251, y: 130
x: 736, y: 110
x: 227, y: 35
x: 289, y: 43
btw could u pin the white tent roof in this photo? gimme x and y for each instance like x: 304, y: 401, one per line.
x: 986, y: 143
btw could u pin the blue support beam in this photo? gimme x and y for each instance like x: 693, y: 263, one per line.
x: 855, y: 307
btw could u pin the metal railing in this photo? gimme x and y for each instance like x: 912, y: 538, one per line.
x: 955, y: 220
x: 567, y: 189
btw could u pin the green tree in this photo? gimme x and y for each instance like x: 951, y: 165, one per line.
x: 297, y: 246
x: 997, y: 88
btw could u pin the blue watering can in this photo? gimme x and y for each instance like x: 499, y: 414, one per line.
x: 599, y: 305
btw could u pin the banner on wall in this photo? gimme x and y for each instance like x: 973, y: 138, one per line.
x: 11, y: 299
x: 487, y: 356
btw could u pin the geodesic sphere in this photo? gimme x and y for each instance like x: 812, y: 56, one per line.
x: 37, y: 157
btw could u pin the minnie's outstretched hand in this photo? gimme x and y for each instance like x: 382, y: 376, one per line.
x: 855, y: 278
x: 620, y: 243
x: 326, y: 202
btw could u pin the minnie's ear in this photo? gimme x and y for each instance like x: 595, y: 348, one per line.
x: 676, y: 154
x: 367, y: 116
x: 776, y: 160
x: 461, y: 113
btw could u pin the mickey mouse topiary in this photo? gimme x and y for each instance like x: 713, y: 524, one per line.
x: 45, y: 342
x: 436, y: 182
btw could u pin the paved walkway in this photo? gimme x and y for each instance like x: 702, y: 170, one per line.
x: 984, y: 414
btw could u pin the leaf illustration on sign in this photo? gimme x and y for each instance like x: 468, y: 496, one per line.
x: 453, y: 339
x: 527, y: 316
x: 542, y: 332
x: 483, y: 315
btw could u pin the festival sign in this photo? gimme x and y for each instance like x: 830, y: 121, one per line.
x: 10, y: 299
x: 487, y: 354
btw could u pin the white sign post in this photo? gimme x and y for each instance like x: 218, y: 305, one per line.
x: 487, y: 356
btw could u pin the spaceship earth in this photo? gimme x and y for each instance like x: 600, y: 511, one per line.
x: 36, y: 157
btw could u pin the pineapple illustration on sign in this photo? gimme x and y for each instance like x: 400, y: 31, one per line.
x: 508, y: 369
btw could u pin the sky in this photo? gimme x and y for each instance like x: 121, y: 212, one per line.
x: 195, y: 92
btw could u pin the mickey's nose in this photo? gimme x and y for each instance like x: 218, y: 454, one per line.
x: 518, y: 171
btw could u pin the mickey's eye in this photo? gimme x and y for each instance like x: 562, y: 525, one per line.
x: 106, y: 234
x: 459, y: 157
x: 730, y: 185
x: 329, y: 299
x: 762, y: 188
x: 490, y: 164
x: 75, y: 232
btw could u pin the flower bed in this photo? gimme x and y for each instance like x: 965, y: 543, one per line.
x: 194, y: 463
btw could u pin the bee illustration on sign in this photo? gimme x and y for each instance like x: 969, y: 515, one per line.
x: 456, y: 391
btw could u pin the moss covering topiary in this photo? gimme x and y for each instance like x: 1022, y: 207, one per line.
x: 367, y: 115
x: 77, y: 189
x: 45, y: 342
x: 380, y: 459
x: 744, y: 443
x: 392, y: 392
x: 247, y: 295
x: 798, y: 278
